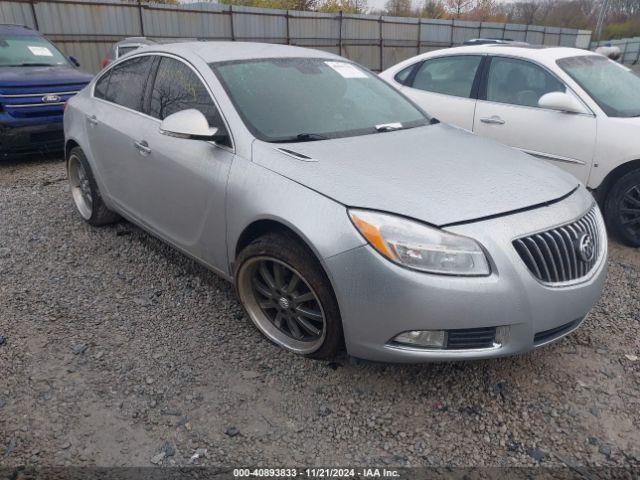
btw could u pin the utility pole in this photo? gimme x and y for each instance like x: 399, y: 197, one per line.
x: 601, y: 17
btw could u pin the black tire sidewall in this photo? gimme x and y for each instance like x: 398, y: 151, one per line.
x: 291, y: 251
x: 612, y: 207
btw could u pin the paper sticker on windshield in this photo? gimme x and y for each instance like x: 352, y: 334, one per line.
x: 41, y: 51
x: 347, y: 70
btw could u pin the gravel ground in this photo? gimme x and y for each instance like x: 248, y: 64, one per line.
x: 118, y: 350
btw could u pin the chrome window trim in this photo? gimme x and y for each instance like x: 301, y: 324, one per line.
x: 175, y: 57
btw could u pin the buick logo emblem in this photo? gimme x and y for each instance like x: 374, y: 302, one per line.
x: 51, y: 98
x: 586, y: 248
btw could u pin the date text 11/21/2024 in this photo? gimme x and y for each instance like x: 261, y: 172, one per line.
x: 316, y: 473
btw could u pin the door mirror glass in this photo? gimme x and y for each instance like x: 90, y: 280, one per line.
x: 189, y: 123
x: 562, y: 102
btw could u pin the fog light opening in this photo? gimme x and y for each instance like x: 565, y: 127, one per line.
x: 422, y: 338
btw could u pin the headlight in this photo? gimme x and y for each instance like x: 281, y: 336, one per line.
x: 417, y: 246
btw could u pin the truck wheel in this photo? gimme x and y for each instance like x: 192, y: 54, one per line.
x: 84, y: 191
x: 288, y: 296
x: 622, y: 208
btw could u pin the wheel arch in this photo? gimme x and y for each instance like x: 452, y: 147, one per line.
x: 69, y: 145
x: 605, y: 186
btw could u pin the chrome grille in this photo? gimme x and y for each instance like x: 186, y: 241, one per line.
x: 554, y: 256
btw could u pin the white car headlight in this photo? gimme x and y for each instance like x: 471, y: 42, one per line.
x: 417, y: 246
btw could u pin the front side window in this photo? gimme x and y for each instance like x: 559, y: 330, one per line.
x: 448, y: 75
x: 29, y: 50
x: 613, y: 87
x: 127, y: 82
x: 303, y: 99
x: 519, y: 82
x: 177, y: 88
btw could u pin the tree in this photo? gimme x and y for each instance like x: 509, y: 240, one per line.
x: 458, y: 7
x: 345, y: 6
x: 433, y: 9
x: 398, y: 8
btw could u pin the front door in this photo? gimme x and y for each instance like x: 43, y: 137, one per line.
x: 508, y: 112
x: 182, y: 181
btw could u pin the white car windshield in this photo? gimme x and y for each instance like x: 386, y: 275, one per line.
x: 615, y: 88
x: 306, y: 99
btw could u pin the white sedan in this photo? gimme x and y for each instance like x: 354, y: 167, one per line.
x: 573, y: 108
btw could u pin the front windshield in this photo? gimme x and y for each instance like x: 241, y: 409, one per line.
x: 28, y: 50
x: 613, y: 87
x: 305, y: 99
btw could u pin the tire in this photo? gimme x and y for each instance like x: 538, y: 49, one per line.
x: 622, y: 208
x: 311, y: 295
x: 85, y: 192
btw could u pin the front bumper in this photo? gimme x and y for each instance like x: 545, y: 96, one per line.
x: 25, y: 139
x: 378, y: 299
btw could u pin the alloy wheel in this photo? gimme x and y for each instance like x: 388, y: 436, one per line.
x: 282, y: 304
x: 630, y: 211
x: 80, y: 187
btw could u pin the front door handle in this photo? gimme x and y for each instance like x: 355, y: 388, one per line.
x: 493, y: 120
x: 93, y: 120
x: 143, y: 147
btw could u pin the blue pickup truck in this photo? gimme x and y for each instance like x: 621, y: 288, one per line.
x: 36, y: 80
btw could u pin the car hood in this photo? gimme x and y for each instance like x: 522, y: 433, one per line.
x: 438, y: 174
x: 40, y: 76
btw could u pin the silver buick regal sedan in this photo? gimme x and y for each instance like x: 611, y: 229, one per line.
x: 342, y: 212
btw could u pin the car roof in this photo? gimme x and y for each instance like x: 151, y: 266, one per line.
x: 537, y: 52
x: 17, y: 29
x: 212, y: 52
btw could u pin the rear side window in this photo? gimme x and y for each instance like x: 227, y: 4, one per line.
x: 177, y: 88
x: 127, y: 82
x: 448, y: 75
x: 519, y: 82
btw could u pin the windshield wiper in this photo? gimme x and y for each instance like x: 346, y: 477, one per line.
x: 302, y: 137
x: 389, y: 127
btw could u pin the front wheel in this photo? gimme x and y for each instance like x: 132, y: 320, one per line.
x: 622, y: 208
x: 287, y: 295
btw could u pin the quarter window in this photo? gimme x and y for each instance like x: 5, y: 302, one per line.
x: 519, y: 82
x: 127, y: 83
x: 100, y: 90
x: 403, y: 75
x: 452, y: 75
x: 178, y: 88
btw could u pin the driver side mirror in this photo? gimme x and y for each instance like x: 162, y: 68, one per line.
x: 190, y: 123
x: 562, y: 102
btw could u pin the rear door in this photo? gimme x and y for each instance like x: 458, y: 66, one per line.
x: 115, y: 122
x: 508, y: 111
x: 446, y: 87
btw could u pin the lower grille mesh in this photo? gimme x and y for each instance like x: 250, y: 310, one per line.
x: 466, y: 338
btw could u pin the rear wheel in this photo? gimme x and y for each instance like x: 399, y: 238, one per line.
x: 84, y: 191
x: 622, y: 208
x: 287, y: 295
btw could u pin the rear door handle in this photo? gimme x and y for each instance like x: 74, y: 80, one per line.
x: 93, y: 120
x: 143, y: 147
x: 493, y: 120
